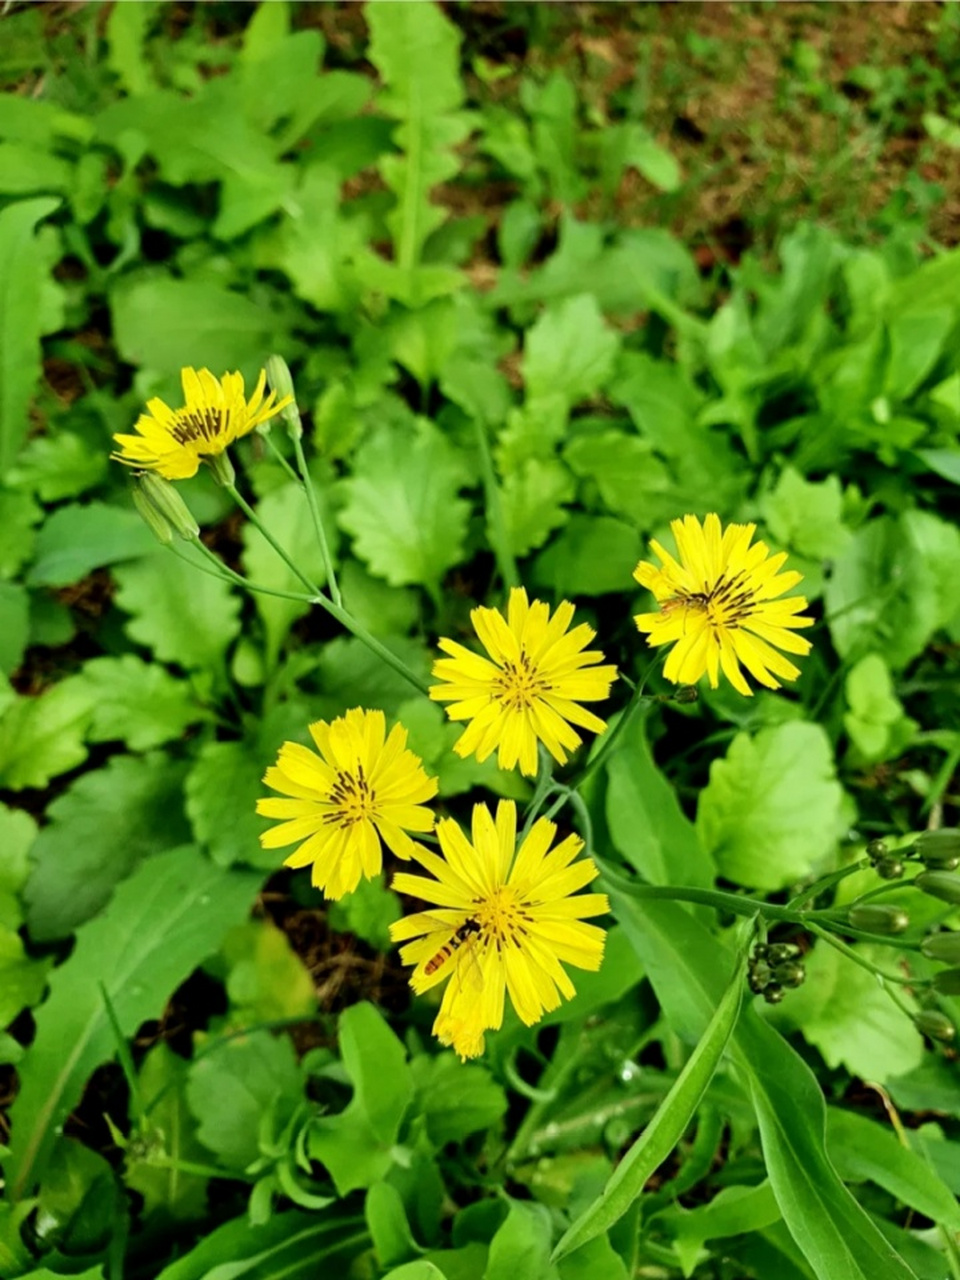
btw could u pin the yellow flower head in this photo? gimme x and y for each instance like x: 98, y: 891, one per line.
x: 530, y: 687
x: 504, y: 921
x: 719, y: 606
x: 215, y: 413
x: 358, y: 789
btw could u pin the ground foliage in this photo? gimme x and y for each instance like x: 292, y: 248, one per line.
x: 505, y: 219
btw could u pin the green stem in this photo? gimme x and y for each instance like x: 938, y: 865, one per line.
x: 862, y: 961
x: 226, y: 574
x: 198, y: 1170
x: 498, y: 526
x: 255, y: 520
x: 609, y: 742
x: 827, y: 882
x: 271, y: 444
x: 308, y: 487
x: 541, y: 791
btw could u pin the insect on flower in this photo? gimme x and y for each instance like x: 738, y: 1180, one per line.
x: 470, y: 928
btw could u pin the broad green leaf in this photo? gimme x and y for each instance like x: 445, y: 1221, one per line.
x: 807, y: 516
x: 733, y: 1211
x: 231, y: 1088
x: 290, y: 1246
x: 14, y: 625
x: 771, y: 811
x: 183, y: 615
x: 22, y: 272
x: 286, y: 513
x: 162, y: 1082
x: 875, y: 722
x: 352, y: 676
x: 21, y: 979
x: 645, y: 820
x: 431, y: 737
x: 534, y: 498
x: 108, y: 822
x: 44, y: 736
x: 864, y: 1150
x: 521, y: 1246
x: 161, y: 923
x: 685, y: 964
x: 389, y: 1227
x: 368, y: 912
x: 18, y: 514
x: 843, y: 1011
x: 598, y: 1258
x: 382, y: 609
x: 402, y: 507
x: 137, y: 702
x: 592, y: 556
x: 667, y: 1127
x: 456, y: 1099
x: 18, y: 830
x: 78, y: 538
x: 421, y: 1269
x: 60, y: 465
x: 266, y: 979
x: 631, y: 480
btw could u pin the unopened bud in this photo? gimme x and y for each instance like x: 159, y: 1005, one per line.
x: 165, y: 499
x: 773, y: 995
x: 890, y: 869
x: 944, y: 885
x: 943, y: 946
x: 939, y: 849
x: 278, y: 375
x: 758, y: 976
x: 876, y: 918
x: 936, y: 1025
x: 947, y: 982
x: 158, y: 525
x: 686, y: 693
x: 790, y: 974
x: 222, y: 468
x: 780, y: 951
x: 876, y: 849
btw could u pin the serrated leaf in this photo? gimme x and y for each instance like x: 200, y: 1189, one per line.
x: 22, y: 276
x: 402, y: 507
x: 874, y: 706
x: 14, y: 625
x: 807, y: 516
x: 98, y: 831
x: 266, y: 979
x: 770, y: 813
x: 21, y: 979
x: 137, y: 702
x: 183, y: 615
x: 18, y: 515
x: 591, y: 556
x: 18, y: 830
x: 78, y: 538
x: 633, y: 482
x: 368, y: 912
x: 58, y: 466
x: 533, y: 502
x: 162, y: 922
x: 44, y: 736
x: 456, y: 1099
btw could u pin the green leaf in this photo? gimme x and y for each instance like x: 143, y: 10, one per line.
x: 286, y: 513
x: 18, y: 514
x: 667, y: 1127
x: 521, y: 1245
x: 161, y: 923
x: 389, y: 1228
x: 368, y: 912
x: 108, y: 822
x: 685, y: 965
x: 592, y: 556
x: 733, y: 1211
x: 21, y: 979
x: 44, y: 736
x: 533, y: 502
x: 771, y: 811
x: 382, y: 609
x: 137, y: 702
x: 166, y: 324
x: 266, y: 979
x: 455, y: 1099
x: 630, y: 478
x: 875, y: 711
x: 17, y: 833
x: 22, y: 276
x: 844, y: 1013
x: 356, y: 1145
x: 807, y: 516
x: 402, y: 507
x: 182, y: 615
x: 77, y: 539
x: 58, y: 466
x: 231, y: 1088
x: 645, y: 820
x: 14, y: 625
x: 431, y: 737
x: 863, y: 1150
x: 162, y: 1081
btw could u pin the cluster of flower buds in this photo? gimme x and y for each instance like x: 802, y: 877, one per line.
x: 774, y: 966
x: 889, y: 866
x: 937, y: 850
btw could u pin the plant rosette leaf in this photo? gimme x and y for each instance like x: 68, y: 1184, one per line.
x: 21, y: 979
x: 137, y: 702
x: 18, y: 830
x: 44, y: 736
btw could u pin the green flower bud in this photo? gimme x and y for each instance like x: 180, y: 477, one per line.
x: 939, y: 849
x: 165, y: 499
x: 936, y: 1025
x: 278, y: 375
x: 159, y: 526
x: 783, y: 951
x: 947, y: 982
x: 876, y: 849
x: 758, y: 976
x: 222, y: 468
x: 686, y: 693
x: 890, y: 869
x: 873, y: 917
x: 790, y: 974
x: 773, y: 995
x: 943, y: 946
x: 944, y: 885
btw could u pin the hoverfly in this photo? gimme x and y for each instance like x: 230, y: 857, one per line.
x: 462, y: 934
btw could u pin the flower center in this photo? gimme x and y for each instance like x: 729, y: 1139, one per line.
x: 192, y: 425
x: 726, y: 604
x: 502, y: 917
x: 520, y: 684
x: 352, y: 797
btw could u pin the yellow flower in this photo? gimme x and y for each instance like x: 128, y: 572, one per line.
x: 215, y: 413
x: 359, y: 789
x: 530, y: 687
x: 720, y: 606
x: 504, y: 921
